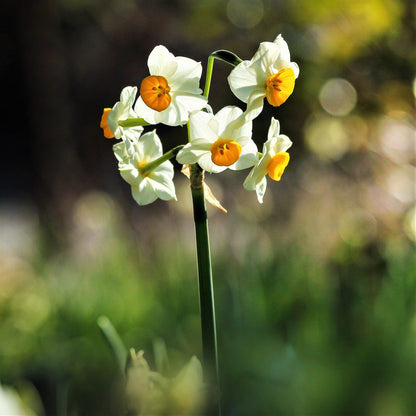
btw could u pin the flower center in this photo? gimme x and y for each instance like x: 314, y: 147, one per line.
x: 141, y: 168
x: 225, y: 152
x: 279, y: 86
x: 277, y: 165
x: 155, y: 92
x: 107, y: 132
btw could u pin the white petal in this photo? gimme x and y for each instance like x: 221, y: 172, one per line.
x: 130, y: 174
x: 158, y: 59
x: 257, y: 174
x: 248, y: 157
x: 226, y: 116
x: 282, y: 143
x: 193, y: 151
x: 284, y: 54
x: 261, y: 189
x: 244, y: 78
x: 176, y: 114
x: 132, y: 133
x: 190, y: 102
x: 149, y: 147
x: 112, y: 119
x: 163, y: 187
x: 165, y: 169
x: 200, y: 127
x: 255, y: 104
x: 120, y: 151
x: 186, y: 77
x: 274, y: 128
x: 145, y: 112
x: 127, y: 96
x: 143, y: 193
x: 171, y: 116
x: 207, y: 164
x: 265, y: 58
x: 295, y: 68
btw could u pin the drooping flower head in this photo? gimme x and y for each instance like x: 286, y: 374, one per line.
x: 219, y: 141
x: 134, y: 159
x: 121, y: 111
x: 272, y: 162
x: 268, y: 74
x: 171, y: 91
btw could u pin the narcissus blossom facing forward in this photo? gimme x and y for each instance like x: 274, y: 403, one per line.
x: 133, y: 162
x: 272, y: 162
x: 121, y: 111
x: 171, y: 91
x: 219, y: 141
x: 269, y: 74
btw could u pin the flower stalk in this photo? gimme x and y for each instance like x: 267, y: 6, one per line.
x: 206, y: 292
x: 132, y: 122
x: 222, y: 55
x: 146, y: 169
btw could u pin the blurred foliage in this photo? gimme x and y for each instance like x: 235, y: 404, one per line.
x: 315, y: 289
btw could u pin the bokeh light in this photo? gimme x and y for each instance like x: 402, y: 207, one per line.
x: 245, y: 14
x: 327, y: 137
x: 338, y: 97
x: 410, y: 223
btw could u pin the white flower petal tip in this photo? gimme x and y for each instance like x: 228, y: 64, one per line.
x: 172, y: 90
x: 273, y: 161
x: 147, y: 185
x: 219, y: 141
x: 270, y: 74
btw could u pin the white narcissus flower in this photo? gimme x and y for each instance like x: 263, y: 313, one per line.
x: 172, y: 90
x: 272, y: 162
x: 219, y: 141
x: 133, y: 162
x: 269, y: 74
x: 122, y: 110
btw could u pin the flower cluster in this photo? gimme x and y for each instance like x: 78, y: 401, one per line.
x: 171, y: 95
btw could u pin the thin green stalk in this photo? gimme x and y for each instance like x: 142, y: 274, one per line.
x: 132, y: 122
x: 206, y: 289
x: 210, y: 66
x: 114, y: 341
x: 146, y: 169
x: 221, y: 55
x: 206, y: 292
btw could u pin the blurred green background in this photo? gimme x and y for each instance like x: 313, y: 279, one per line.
x: 315, y: 289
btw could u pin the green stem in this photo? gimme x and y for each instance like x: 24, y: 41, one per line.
x: 132, y: 122
x: 146, y: 169
x: 114, y: 341
x: 221, y: 55
x: 210, y: 66
x: 206, y: 292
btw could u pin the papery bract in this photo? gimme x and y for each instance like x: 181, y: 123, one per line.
x: 272, y: 162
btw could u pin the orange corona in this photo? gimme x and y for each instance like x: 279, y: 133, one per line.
x: 154, y: 91
x: 277, y: 165
x: 225, y: 152
x: 279, y: 86
x: 107, y: 132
